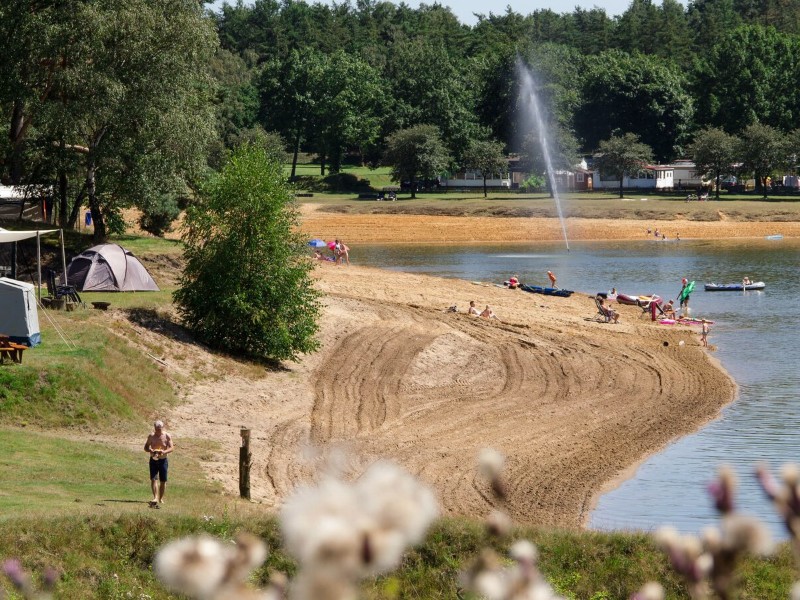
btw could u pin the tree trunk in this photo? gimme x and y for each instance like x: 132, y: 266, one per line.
x: 16, y: 136
x: 620, y: 186
x: 100, y: 233
x: 295, y: 152
x: 413, y: 188
x: 485, y: 192
x: 62, y: 197
x: 76, y: 209
x: 717, y: 194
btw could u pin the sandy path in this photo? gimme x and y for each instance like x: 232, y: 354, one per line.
x: 572, y: 402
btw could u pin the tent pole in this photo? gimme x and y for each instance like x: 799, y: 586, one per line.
x: 39, y: 265
x: 63, y: 257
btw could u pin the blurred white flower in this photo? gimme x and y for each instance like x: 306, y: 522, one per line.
x: 490, y: 463
x: 204, y: 568
x: 361, y: 528
x: 193, y: 566
x: 499, y: 523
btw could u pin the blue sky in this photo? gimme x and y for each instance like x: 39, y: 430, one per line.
x: 464, y: 9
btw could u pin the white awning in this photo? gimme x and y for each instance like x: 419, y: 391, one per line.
x: 15, y: 236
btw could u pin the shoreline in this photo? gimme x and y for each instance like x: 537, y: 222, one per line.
x: 630, y: 472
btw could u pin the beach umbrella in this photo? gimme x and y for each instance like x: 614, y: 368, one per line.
x: 317, y: 243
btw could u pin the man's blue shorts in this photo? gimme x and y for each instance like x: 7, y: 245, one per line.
x: 158, y: 469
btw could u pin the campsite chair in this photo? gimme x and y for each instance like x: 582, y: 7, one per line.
x: 602, y: 312
x: 648, y: 305
x: 61, y: 291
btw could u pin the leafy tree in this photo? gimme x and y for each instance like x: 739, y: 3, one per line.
x: 289, y: 97
x: 138, y: 137
x: 348, y: 108
x: 635, y: 27
x: 430, y: 86
x: 749, y: 77
x: 635, y: 93
x: 486, y: 156
x: 710, y: 20
x: 623, y: 155
x: 246, y: 287
x: 714, y: 151
x: 416, y: 153
x: 763, y: 150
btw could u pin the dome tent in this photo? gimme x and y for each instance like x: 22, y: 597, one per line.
x: 109, y: 268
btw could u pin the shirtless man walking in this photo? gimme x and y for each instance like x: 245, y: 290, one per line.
x: 158, y: 444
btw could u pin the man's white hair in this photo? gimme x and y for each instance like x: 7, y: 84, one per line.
x: 159, y: 424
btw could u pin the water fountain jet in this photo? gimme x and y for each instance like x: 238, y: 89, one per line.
x: 527, y: 94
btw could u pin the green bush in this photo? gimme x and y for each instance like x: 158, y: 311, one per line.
x: 246, y: 287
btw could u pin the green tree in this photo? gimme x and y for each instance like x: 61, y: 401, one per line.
x: 748, y: 77
x: 486, y: 156
x: 430, y: 86
x: 138, y: 136
x: 714, y: 151
x: 623, y: 155
x: 763, y: 150
x: 635, y: 93
x: 246, y: 287
x: 416, y: 153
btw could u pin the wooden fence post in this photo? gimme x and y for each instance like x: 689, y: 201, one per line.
x: 245, y: 460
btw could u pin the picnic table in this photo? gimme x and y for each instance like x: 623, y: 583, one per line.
x: 10, y: 349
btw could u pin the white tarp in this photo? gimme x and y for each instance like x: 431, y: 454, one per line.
x: 16, y: 236
x: 18, y: 316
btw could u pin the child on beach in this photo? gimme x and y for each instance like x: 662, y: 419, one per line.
x: 704, y: 333
x: 552, y: 279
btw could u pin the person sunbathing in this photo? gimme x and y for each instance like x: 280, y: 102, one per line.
x: 609, y: 312
x: 473, y: 310
x: 488, y: 313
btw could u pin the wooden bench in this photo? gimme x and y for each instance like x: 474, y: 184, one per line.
x: 9, y: 349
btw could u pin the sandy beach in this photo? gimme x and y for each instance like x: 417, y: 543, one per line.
x: 403, y: 228
x: 572, y: 402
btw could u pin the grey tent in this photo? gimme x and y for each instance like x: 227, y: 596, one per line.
x: 18, y: 317
x: 109, y: 268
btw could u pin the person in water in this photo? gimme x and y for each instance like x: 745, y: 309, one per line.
x: 684, y: 298
x: 704, y: 333
x: 552, y: 279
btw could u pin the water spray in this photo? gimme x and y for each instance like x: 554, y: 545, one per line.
x: 527, y: 91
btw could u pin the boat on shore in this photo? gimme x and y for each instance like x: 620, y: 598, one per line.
x: 776, y: 236
x: 547, y: 291
x: 638, y: 300
x: 734, y: 287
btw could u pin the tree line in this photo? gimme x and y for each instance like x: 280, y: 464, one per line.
x: 117, y: 104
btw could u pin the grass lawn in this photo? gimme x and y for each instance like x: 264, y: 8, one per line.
x: 589, y: 205
x: 43, y: 474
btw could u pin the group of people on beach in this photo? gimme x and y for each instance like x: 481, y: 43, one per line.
x: 340, y: 253
x: 659, y: 235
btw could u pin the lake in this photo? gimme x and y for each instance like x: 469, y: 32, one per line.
x: 756, y: 335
